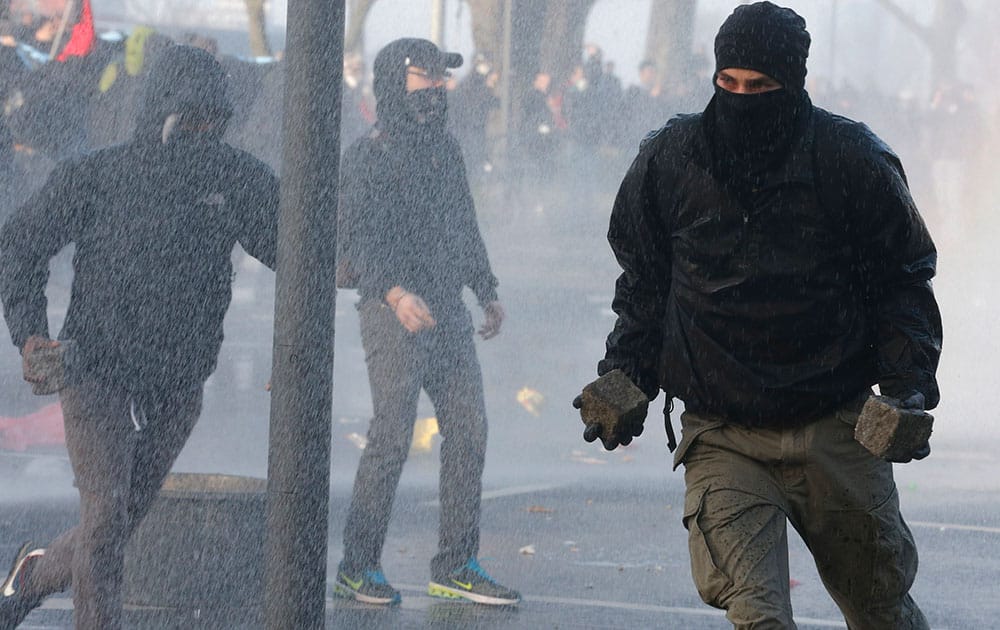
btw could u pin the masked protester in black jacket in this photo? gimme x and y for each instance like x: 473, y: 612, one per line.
x: 410, y: 242
x: 154, y: 222
x: 774, y: 270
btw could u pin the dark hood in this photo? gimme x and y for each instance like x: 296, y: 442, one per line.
x: 389, y: 70
x: 183, y: 80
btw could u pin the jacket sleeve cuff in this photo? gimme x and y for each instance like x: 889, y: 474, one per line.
x: 486, y: 291
x: 19, y: 334
x: 647, y: 383
x: 487, y: 296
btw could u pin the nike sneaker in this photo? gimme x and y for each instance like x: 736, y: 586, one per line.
x: 471, y: 582
x: 369, y: 587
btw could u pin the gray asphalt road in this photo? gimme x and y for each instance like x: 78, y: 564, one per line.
x: 608, y: 547
x: 606, y: 550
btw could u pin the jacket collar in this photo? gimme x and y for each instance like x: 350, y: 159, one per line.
x: 796, y: 167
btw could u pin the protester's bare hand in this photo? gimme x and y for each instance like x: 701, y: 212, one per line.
x: 34, y: 342
x: 494, y: 320
x: 413, y: 314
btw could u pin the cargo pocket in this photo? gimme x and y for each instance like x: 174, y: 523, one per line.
x: 692, y: 429
x: 710, y: 581
x: 870, y: 557
x: 895, y: 553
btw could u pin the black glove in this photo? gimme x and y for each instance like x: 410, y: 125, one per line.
x: 623, y: 434
x: 914, y: 401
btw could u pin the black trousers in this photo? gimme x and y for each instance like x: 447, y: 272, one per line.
x: 442, y: 361
x: 118, y: 472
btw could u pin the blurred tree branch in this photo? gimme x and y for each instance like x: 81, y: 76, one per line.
x: 547, y: 37
x: 940, y: 36
x: 255, y: 30
x: 905, y: 18
x: 670, y: 37
x: 487, y: 27
x: 357, y: 13
x: 561, y: 39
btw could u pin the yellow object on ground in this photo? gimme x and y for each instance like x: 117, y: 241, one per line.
x: 531, y: 400
x: 423, y: 435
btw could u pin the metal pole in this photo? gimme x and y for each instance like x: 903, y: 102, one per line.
x: 505, y: 77
x: 506, y: 100
x: 298, y: 488
x: 833, y: 44
x: 61, y: 31
x: 257, y: 28
x: 437, y: 22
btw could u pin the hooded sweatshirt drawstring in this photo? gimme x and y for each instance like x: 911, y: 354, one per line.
x: 137, y: 414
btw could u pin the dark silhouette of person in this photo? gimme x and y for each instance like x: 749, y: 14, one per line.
x: 408, y: 233
x: 154, y: 222
x: 775, y: 269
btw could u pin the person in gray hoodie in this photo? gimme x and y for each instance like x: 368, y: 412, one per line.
x: 154, y: 222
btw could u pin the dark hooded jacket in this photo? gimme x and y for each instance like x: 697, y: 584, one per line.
x: 406, y: 214
x: 154, y: 222
x: 774, y: 304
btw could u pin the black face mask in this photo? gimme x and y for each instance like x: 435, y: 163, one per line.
x: 756, y: 128
x: 195, y: 128
x: 428, y: 108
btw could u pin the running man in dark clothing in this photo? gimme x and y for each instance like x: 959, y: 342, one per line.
x: 154, y: 222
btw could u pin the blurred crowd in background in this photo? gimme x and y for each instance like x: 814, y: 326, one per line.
x: 559, y: 149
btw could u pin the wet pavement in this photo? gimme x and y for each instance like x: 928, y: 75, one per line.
x: 592, y: 539
x: 601, y: 546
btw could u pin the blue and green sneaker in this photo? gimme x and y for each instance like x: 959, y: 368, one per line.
x: 471, y: 582
x: 369, y: 587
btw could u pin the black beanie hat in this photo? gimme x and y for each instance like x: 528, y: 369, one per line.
x: 767, y: 38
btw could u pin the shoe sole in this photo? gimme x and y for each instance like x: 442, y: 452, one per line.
x: 343, y: 590
x: 23, y: 555
x: 446, y: 592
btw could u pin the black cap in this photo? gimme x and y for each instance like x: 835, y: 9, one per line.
x: 393, y: 60
x: 389, y: 70
x: 767, y: 38
x: 424, y: 54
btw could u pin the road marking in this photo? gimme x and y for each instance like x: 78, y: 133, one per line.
x: 676, y: 610
x: 596, y: 603
x: 422, y: 602
x: 511, y: 491
x: 964, y: 528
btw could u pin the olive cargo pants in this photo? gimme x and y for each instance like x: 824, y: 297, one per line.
x: 742, y: 487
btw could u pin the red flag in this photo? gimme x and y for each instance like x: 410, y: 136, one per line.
x: 81, y: 39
